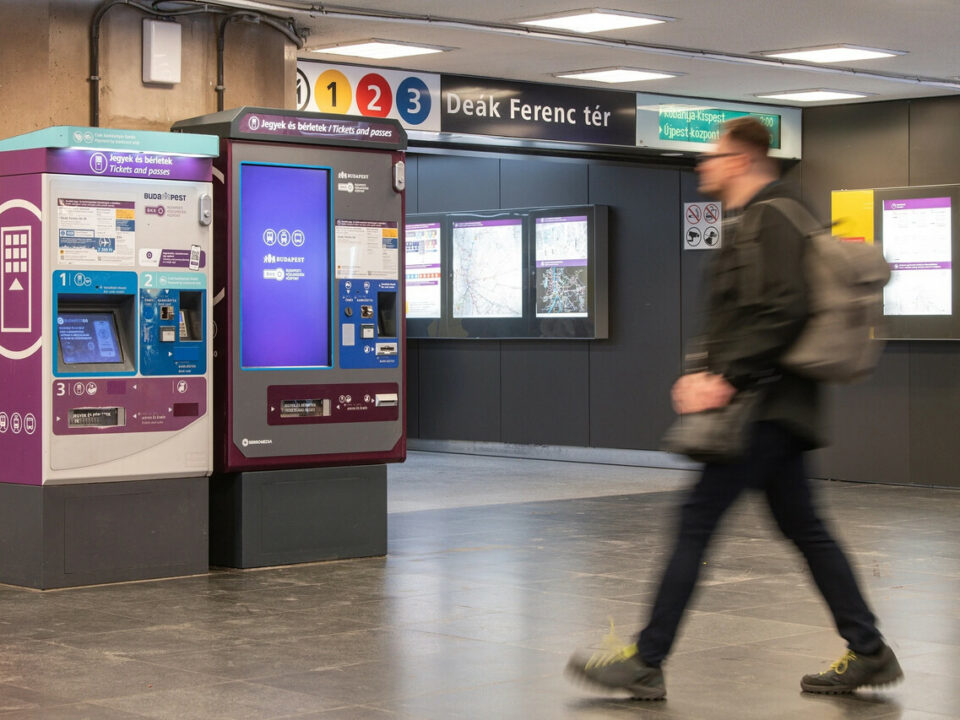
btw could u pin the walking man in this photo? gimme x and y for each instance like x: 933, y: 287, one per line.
x: 742, y: 344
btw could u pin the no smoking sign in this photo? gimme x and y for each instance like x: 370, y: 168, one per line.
x: 701, y: 226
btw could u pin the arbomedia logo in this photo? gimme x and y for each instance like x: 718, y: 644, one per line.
x: 246, y: 443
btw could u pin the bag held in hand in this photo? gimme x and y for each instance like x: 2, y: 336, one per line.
x: 715, y: 436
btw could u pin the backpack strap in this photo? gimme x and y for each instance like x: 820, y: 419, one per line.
x: 749, y: 247
x: 798, y: 215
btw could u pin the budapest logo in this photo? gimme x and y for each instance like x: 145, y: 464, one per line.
x: 253, y: 123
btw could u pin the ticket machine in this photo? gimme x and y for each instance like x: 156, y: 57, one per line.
x: 310, y: 351
x: 105, y: 355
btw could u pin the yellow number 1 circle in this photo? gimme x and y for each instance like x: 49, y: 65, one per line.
x: 333, y: 92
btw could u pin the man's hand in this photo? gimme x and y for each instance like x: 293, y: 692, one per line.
x: 701, y: 391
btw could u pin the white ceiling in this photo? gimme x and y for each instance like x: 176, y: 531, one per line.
x: 928, y: 30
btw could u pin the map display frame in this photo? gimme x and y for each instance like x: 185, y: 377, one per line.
x: 424, y: 267
x: 919, y: 231
x: 562, y: 259
x: 489, y: 274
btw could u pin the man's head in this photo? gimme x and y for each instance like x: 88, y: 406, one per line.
x: 739, y: 163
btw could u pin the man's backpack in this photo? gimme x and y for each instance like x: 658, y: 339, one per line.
x: 845, y: 283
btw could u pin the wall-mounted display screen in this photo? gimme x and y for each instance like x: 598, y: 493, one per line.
x: 518, y: 273
x: 917, y: 227
x: 917, y: 244
x: 423, y: 270
x: 562, y: 254
x: 284, y: 266
x: 88, y: 338
x: 488, y: 268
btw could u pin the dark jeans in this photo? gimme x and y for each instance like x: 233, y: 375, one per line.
x: 773, y: 464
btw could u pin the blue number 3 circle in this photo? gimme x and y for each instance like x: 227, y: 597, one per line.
x: 413, y: 101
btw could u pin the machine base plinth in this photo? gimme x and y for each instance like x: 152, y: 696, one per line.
x: 56, y: 536
x: 282, y: 517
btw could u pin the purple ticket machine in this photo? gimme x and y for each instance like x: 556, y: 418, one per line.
x: 105, y: 355
x: 310, y: 347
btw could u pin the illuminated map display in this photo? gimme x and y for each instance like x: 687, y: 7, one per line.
x: 424, y: 296
x: 561, y: 257
x: 488, y: 268
x: 917, y: 242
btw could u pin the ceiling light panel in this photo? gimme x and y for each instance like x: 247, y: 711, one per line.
x: 596, y: 20
x: 379, y: 49
x: 616, y: 75
x: 832, y: 53
x: 820, y: 95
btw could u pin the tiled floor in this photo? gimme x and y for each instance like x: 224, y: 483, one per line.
x: 476, y: 608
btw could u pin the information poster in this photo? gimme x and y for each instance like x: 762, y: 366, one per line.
x: 284, y: 266
x: 917, y: 244
x: 851, y: 212
x: 423, y: 271
x: 488, y: 268
x: 367, y: 249
x: 96, y: 232
x: 561, y: 259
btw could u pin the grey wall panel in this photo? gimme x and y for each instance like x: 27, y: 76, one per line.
x: 868, y: 425
x: 545, y: 386
x: 460, y: 390
x: 935, y: 141
x: 412, y: 198
x: 446, y: 183
x: 531, y: 182
x: 631, y: 373
x: 853, y: 146
x: 545, y: 393
x: 694, y: 265
x: 934, y: 403
x: 413, y: 388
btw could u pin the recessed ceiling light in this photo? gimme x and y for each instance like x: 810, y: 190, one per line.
x: 812, y: 95
x: 617, y: 75
x: 596, y: 20
x: 832, y: 53
x: 379, y: 49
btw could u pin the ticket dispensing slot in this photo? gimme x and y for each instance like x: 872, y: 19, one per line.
x: 315, y: 407
x: 104, y: 417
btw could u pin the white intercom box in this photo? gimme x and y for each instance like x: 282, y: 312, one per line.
x: 161, y: 52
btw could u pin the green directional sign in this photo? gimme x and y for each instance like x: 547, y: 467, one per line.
x: 702, y: 125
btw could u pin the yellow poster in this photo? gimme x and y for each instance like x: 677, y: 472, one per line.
x: 852, y: 214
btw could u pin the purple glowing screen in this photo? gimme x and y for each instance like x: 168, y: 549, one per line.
x: 284, y: 266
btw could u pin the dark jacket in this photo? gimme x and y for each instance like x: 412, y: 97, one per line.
x: 747, y: 331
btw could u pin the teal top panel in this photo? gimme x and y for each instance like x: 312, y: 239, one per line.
x: 97, y: 138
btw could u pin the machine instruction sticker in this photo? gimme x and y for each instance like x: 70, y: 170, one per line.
x: 96, y: 232
x: 367, y: 249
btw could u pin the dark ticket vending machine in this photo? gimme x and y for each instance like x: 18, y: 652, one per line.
x: 309, y: 338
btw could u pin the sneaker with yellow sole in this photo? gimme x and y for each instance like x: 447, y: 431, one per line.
x: 620, y: 669
x: 855, y: 670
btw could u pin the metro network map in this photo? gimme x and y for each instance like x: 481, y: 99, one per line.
x: 562, y: 255
x: 488, y: 268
